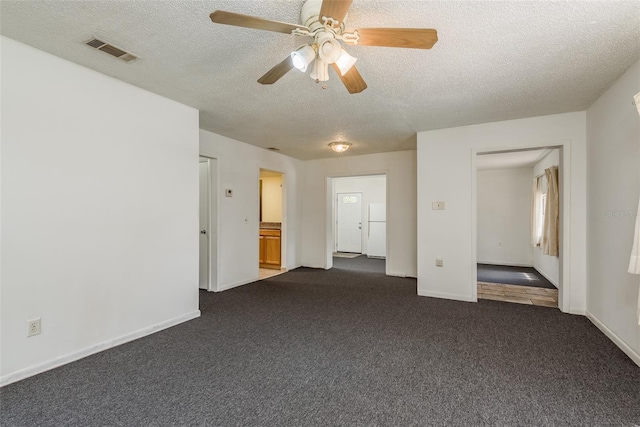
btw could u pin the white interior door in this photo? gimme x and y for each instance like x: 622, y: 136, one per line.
x: 349, y: 222
x: 204, y: 224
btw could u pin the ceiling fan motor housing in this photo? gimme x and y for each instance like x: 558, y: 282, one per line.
x: 310, y: 16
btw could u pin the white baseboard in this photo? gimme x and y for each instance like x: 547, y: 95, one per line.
x: 317, y: 267
x: 247, y: 281
x: 445, y: 295
x: 236, y: 284
x: 615, y: 338
x: 577, y: 311
x: 553, y: 282
x: 508, y: 264
x: 96, y: 348
x: 396, y: 274
x: 403, y: 275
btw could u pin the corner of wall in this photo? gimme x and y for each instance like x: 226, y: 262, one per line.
x: 633, y: 355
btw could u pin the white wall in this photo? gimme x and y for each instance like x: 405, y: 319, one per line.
x: 400, y: 168
x: 239, y: 167
x: 504, y: 216
x: 99, y: 211
x: 373, y: 189
x: 613, y: 183
x: 548, y: 266
x: 446, y: 169
x: 271, y: 198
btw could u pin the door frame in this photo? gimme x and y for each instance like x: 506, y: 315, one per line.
x: 335, y: 216
x: 330, y: 209
x: 564, y: 241
x: 213, y: 228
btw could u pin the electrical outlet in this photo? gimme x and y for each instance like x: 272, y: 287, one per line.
x: 33, y: 327
x: 439, y: 262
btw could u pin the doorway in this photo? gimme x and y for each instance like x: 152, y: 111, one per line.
x: 349, y: 223
x: 208, y: 220
x: 272, y: 214
x: 359, y: 227
x: 512, y: 195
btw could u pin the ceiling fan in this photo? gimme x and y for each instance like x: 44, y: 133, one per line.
x: 324, y: 21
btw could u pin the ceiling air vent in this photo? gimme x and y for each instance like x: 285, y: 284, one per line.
x: 111, y: 50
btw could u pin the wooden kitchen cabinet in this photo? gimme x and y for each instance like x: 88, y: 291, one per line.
x: 261, y: 250
x: 270, y: 249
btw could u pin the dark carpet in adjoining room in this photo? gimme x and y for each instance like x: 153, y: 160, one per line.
x: 360, y: 263
x: 339, y: 348
x: 523, y: 276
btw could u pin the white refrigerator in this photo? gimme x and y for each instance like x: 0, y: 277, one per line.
x: 377, y: 239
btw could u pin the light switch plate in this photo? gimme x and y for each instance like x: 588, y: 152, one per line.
x: 437, y: 206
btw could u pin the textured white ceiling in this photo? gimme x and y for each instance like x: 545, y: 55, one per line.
x: 493, y: 61
x: 512, y: 159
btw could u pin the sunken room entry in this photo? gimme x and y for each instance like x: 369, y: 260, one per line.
x: 518, y: 227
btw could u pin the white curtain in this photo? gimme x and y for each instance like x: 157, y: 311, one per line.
x: 551, y: 214
x: 536, y: 212
x: 634, y: 263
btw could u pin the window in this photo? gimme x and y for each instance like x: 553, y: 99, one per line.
x: 349, y: 199
x: 539, y: 201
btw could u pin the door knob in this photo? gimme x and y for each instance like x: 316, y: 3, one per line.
x: 203, y: 231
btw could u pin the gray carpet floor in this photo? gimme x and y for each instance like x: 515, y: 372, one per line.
x: 522, y: 276
x: 325, y: 348
x: 360, y: 263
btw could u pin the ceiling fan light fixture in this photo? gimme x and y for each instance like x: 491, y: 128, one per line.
x: 324, y: 21
x: 340, y: 146
x: 320, y: 71
x: 329, y: 50
x: 345, y: 62
x: 302, y: 57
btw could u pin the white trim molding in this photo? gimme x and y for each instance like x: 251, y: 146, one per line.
x: 615, y: 338
x: 237, y: 284
x: 96, y: 348
x: 443, y: 295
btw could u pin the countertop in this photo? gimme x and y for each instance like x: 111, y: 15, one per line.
x: 270, y: 225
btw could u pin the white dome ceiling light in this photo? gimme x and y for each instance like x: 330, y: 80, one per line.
x: 324, y: 22
x: 340, y: 146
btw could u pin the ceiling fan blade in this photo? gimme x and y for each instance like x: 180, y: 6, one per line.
x: 274, y: 74
x: 336, y: 9
x: 353, y: 81
x: 413, y: 38
x: 239, y: 20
